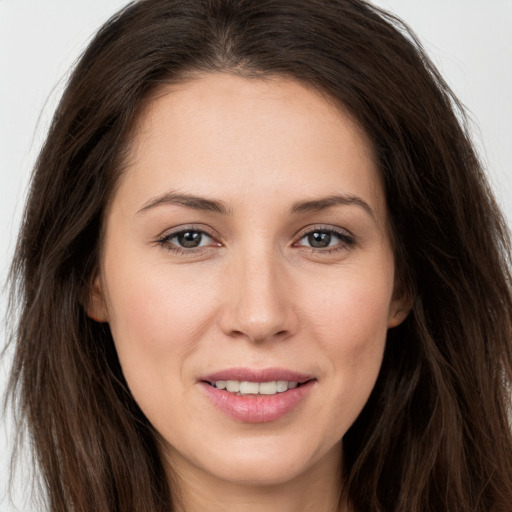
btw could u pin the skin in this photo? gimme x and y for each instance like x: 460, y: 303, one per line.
x: 255, y: 293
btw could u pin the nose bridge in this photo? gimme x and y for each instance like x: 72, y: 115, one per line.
x: 259, y: 306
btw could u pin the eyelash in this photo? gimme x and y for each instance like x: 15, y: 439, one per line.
x: 165, y: 241
x: 346, y: 240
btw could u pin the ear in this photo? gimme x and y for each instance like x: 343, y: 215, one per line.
x: 96, y: 307
x: 399, y: 309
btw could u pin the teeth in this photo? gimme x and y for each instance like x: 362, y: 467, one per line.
x: 233, y: 386
x: 255, y: 388
x: 249, y: 388
x: 220, y: 384
x: 270, y: 388
x: 281, y: 386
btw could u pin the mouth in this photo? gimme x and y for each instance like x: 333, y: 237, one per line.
x: 249, y: 381
x: 244, y: 387
x: 257, y: 396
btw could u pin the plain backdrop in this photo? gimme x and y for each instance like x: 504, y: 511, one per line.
x: 469, y: 40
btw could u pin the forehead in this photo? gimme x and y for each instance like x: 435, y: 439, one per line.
x: 224, y: 134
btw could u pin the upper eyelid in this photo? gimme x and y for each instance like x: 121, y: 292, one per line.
x: 323, y: 227
x: 170, y: 236
x: 172, y: 232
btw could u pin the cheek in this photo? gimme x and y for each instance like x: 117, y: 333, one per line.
x: 349, y: 323
x: 360, y: 333
x: 158, y: 303
x: 352, y: 317
x: 156, y: 316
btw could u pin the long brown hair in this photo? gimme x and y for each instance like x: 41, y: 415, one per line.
x: 434, y: 434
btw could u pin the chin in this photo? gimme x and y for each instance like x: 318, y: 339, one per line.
x: 265, y: 462
x: 272, y: 471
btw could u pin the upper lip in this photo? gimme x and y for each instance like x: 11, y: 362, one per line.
x: 257, y: 375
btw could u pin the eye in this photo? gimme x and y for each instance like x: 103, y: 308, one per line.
x: 186, y: 240
x: 325, y: 238
x: 190, y: 239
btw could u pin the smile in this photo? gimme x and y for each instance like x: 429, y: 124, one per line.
x: 257, y: 395
x: 255, y: 388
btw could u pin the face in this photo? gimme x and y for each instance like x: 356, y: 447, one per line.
x: 247, y: 247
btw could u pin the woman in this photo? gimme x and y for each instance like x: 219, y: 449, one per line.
x: 260, y: 269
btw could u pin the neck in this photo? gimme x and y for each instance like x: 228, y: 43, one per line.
x: 315, y: 490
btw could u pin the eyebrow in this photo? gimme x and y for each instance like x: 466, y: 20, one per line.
x: 323, y: 203
x: 209, y: 205
x: 187, y: 200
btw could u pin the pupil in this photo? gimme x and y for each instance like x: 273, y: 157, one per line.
x: 189, y: 239
x: 319, y: 239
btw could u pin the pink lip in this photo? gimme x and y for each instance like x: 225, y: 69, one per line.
x: 257, y: 375
x: 257, y: 408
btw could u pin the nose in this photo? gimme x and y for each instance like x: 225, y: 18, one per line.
x: 258, y: 305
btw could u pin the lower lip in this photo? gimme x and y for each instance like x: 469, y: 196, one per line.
x: 257, y: 408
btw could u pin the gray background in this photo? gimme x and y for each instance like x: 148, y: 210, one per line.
x: 469, y: 40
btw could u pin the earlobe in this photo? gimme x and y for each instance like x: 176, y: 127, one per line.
x: 96, y: 307
x: 399, y: 310
x: 397, y: 316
